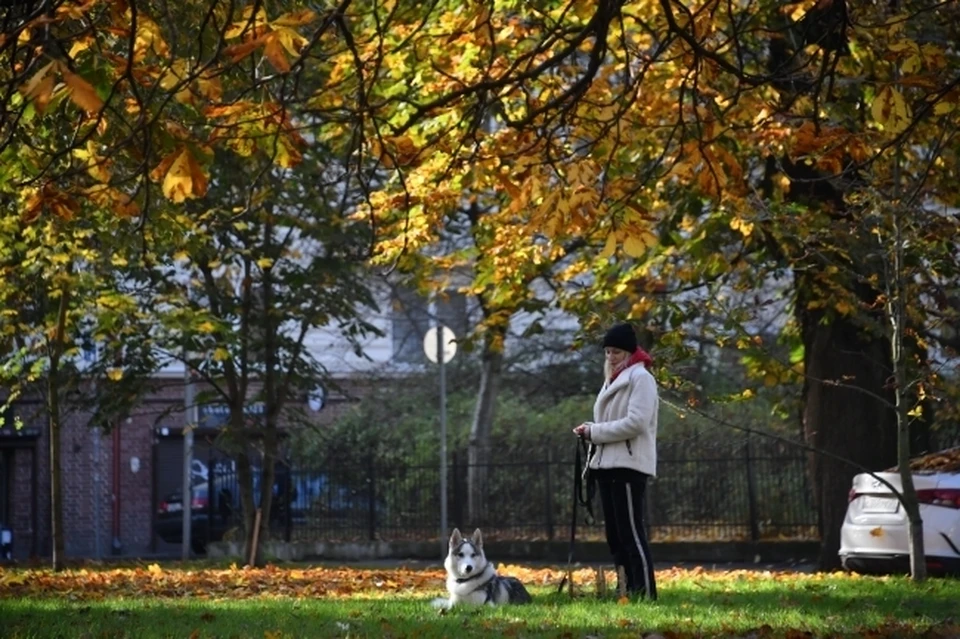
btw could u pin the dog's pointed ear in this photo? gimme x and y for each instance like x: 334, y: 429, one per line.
x: 456, y: 538
x: 477, y: 538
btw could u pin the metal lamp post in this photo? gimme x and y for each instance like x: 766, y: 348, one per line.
x: 439, y: 345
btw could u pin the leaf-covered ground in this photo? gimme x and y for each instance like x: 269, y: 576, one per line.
x: 293, y: 601
x: 943, y: 461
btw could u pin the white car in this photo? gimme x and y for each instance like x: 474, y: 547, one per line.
x: 873, y: 538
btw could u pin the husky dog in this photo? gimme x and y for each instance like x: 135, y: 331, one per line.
x: 471, y: 579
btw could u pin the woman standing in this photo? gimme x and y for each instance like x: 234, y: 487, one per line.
x: 623, y: 453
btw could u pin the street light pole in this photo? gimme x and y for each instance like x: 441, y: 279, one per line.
x: 439, y: 346
x: 441, y: 357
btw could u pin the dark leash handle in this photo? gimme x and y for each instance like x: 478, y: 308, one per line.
x: 584, y: 489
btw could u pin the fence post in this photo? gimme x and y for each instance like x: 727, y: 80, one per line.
x: 288, y: 505
x: 751, y: 493
x: 549, y: 493
x: 371, y: 480
x: 211, y: 491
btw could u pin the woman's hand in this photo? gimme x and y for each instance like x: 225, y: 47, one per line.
x: 583, y: 430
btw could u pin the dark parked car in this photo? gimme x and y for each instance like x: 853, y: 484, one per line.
x: 208, y: 521
x: 309, y: 494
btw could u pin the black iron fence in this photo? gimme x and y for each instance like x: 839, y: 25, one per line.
x: 740, y: 490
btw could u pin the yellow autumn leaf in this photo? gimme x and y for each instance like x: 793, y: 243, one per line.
x: 912, y: 64
x: 82, y: 92
x: 265, y: 262
x: 295, y: 18
x: 97, y: 166
x: 877, y: 532
x: 292, y: 41
x: 740, y: 224
x: 184, y: 179
x: 221, y: 355
x: 206, y: 327
x: 637, y: 245
x: 943, y: 107
x: 610, y: 247
x: 287, y: 155
x: 890, y: 110
x: 13, y: 578
x: 79, y: 46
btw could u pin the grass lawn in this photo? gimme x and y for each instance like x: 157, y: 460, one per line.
x: 297, y: 601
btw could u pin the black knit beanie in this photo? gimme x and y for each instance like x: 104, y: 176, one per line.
x: 621, y: 336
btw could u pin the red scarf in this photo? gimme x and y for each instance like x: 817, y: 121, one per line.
x: 639, y: 356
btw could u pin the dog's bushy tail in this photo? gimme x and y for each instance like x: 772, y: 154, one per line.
x: 518, y: 593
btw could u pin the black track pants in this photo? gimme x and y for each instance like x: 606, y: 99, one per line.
x: 622, y: 494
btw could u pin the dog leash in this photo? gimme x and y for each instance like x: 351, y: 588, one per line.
x: 583, y: 493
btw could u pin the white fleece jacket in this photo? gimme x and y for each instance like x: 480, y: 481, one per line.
x: 624, y: 427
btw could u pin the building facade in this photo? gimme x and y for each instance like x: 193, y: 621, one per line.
x: 114, y: 481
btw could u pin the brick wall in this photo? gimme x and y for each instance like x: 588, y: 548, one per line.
x: 21, y: 507
x: 87, y: 461
x: 87, y: 471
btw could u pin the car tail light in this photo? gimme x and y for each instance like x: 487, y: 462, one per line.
x: 162, y: 508
x: 948, y: 497
x: 852, y: 495
x: 198, y: 502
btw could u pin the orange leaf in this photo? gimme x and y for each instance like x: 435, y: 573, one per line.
x: 35, y: 85
x: 237, y: 52
x: 877, y: 532
x: 512, y: 189
x: 274, y: 52
x: 161, y: 169
x: 82, y: 93
x: 44, y: 92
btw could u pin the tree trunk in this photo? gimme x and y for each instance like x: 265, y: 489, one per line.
x: 478, y: 452
x: 272, y: 404
x: 266, y: 492
x: 56, y: 479
x: 847, y: 368
x: 247, y: 502
x: 55, y: 415
x: 897, y: 314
